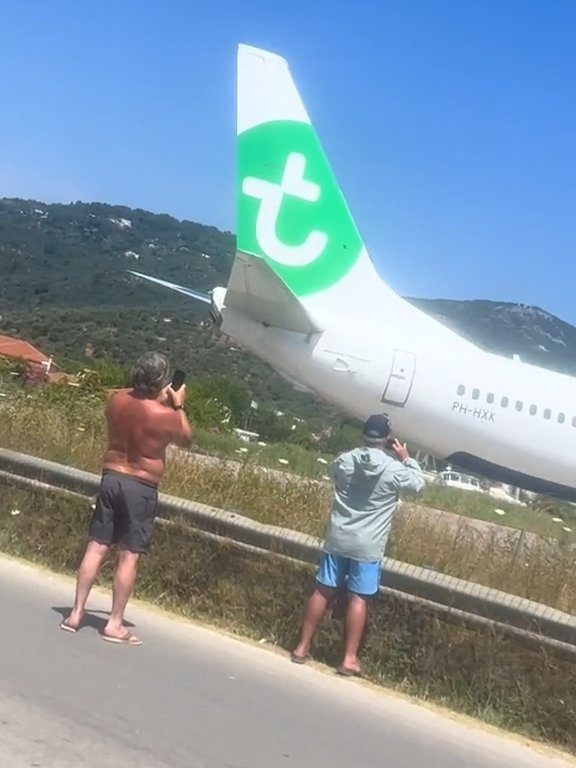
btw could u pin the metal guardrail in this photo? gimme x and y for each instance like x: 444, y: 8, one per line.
x: 459, y: 600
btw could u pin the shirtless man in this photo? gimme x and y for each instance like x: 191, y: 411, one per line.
x: 142, y: 421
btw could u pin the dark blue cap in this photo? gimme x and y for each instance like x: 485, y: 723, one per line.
x: 377, y: 427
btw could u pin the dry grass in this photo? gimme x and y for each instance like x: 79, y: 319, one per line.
x: 500, y: 558
x: 476, y: 672
x: 542, y: 571
x: 72, y: 433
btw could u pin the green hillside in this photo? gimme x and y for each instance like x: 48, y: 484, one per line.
x: 65, y: 286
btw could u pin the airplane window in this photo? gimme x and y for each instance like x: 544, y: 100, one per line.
x: 461, y: 389
x: 504, y: 402
x: 490, y: 397
x: 519, y: 405
x: 574, y: 421
x: 561, y: 418
x: 547, y: 413
x: 475, y: 394
x: 533, y: 410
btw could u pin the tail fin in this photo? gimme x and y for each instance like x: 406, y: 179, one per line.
x: 292, y: 216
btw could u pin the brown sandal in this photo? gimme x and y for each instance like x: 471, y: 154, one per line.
x: 348, y: 672
x: 67, y: 627
x: 126, y: 639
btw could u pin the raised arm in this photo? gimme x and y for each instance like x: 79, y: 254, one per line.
x: 410, y: 476
x: 180, y: 429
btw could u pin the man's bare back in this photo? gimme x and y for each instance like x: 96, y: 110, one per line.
x: 139, y: 430
x: 142, y: 421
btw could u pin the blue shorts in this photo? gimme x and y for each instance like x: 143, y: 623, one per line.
x: 361, y: 578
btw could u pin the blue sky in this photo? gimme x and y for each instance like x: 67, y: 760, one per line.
x: 450, y: 124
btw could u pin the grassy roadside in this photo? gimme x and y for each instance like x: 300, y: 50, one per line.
x: 71, y: 430
x: 478, y: 673
x: 75, y: 435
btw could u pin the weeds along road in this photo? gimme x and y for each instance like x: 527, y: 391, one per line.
x: 451, y: 523
x: 193, y: 698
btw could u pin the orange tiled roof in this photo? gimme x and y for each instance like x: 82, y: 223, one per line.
x: 17, y: 348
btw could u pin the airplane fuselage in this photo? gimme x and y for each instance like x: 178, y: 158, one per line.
x: 511, y: 421
x: 305, y: 296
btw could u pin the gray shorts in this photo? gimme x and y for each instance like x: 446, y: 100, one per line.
x: 125, y: 512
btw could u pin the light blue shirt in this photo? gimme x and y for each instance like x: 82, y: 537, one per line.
x: 367, y: 486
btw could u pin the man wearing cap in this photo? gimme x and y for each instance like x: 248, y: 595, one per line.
x: 142, y: 421
x: 367, y: 485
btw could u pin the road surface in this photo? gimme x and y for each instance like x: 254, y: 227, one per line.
x: 192, y: 698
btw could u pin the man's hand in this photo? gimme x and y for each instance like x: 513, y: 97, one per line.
x: 182, y: 431
x: 400, y: 450
x: 178, y: 396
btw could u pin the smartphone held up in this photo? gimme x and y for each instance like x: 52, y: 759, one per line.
x: 178, y: 379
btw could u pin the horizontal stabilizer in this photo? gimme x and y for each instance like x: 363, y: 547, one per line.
x: 256, y: 292
x: 173, y: 287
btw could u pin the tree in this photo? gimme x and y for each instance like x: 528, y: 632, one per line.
x: 218, y: 401
x: 110, y: 374
x: 273, y: 428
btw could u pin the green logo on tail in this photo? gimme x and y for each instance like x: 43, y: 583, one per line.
x: 290, y: 209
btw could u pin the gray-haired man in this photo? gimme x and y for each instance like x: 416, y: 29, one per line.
x: 142, y: 421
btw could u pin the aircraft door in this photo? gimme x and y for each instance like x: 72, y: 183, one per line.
x: 401, y: 378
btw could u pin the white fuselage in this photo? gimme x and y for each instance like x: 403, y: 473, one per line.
x: 443, y: 393
x: 301, y: 266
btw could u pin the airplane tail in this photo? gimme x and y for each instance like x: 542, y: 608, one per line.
x: 300, y: 263
x: 300, y: 254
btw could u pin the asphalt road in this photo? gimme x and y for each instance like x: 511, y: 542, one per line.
x: 193, y: 698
